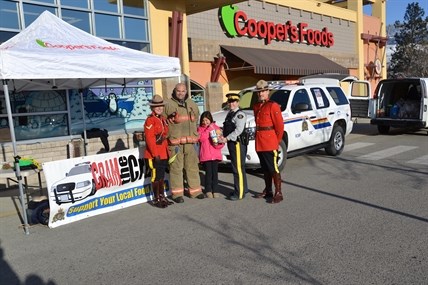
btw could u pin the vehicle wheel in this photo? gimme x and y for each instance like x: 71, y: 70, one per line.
x: 42, y: 213
x: 337, y: 141
x: 282, y: 155
x: 383, y: 129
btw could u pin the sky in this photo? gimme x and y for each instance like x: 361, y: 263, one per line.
x: 395, y: 9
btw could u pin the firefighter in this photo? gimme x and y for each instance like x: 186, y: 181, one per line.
x: 269, y: 132
x: 182, y: 116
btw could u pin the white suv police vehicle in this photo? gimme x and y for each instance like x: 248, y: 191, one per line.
x: 315, y: 116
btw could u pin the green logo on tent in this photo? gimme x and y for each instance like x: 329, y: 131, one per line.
x: 227, y: 15
x: 40, y: 42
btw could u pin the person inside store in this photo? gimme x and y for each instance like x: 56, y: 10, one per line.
x: 156, y: 151
x: 182, y: 116
x: 269, y: 132
x: 236, y: 140
x: 210, y: 152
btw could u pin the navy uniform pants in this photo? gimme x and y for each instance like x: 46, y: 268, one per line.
x: 238, y: 153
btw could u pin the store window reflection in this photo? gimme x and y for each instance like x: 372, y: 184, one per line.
x: 36, y: 114
x: 105, y: 5
x: 114, y: 108
x: 133, y: 7
x: 135, y: 29
x: 59, y: 113
x: 4, y: 36
x: 197, y: 93
x: 78, y: 19
x: 32, y: 12
x: 9, y: 15
x: 46, y: 1
x: 134, y: 45
x: 107, y: 26
x: 75, y: 3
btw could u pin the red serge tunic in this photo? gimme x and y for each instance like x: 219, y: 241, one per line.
x: 269, y: 125
x: 155, y: 131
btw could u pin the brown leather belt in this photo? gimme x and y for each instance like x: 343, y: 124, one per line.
x: 264, y: 128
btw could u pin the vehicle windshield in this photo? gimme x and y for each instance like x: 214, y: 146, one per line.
x: 79, y: 170
x: 281, y: 97
x: 249, y: 98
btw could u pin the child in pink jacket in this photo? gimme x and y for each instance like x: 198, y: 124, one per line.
x: 209, y: 152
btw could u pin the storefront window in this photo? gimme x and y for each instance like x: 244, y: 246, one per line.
x: 44, y: 1
x: 76, y: 18
x: 4, y: 36
x: 197, y: 94
x: 105, y: 5
x: 135, y: 29
x: 134, y: 45
x: 32, y: 12
x: 58, y: 113
x: 75, y: 3
x: 132, y: 7
x: 107, y: 26
x: 114, y: 108
x: 9, y: 15
x: 36, y: 114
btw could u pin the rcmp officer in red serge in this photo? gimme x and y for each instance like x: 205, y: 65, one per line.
x: 269, y: 132
x: 156, y: 152
x: 234, y: 137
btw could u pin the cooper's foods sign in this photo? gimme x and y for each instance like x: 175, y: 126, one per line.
x: 237, y: 24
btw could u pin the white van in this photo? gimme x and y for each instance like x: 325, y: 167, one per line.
x: 315, y: 116
x: 358, y: 91
x: 400, y: 103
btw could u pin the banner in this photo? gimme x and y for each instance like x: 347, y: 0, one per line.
x: 82, y: 187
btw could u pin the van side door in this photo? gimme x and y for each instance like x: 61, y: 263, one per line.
x: 359, y: 95
x: 424, y: 107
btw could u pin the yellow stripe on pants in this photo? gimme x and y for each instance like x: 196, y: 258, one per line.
x: 153, y: 170
x: 239, y: 168
x: 275, y: 161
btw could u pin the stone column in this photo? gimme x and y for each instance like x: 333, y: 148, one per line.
x: 214, y: 97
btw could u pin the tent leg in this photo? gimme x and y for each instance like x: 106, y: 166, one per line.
x: 15, y: 156
x: 85, y: 138
x: 21, y: 194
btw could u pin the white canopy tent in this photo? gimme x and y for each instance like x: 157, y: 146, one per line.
x: 51, y: 53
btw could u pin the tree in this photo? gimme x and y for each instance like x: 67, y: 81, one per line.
x: 411, y: 52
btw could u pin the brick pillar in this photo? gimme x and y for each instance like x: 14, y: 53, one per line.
x: 214, y: 97
x: 168, y: 84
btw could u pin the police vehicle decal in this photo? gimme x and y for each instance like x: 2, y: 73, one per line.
x: 320, y: 123
x: 294, y: 120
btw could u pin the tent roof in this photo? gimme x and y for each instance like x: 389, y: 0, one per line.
x: 51, y: 52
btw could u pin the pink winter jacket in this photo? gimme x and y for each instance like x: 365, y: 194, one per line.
x: 207, y: 150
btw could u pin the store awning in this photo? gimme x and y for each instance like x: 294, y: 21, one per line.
x: 267, y: 61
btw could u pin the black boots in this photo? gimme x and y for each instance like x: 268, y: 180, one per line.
x: 162, y: 197
x: 159, y: 199
x: 278, y: 194
x: 267, y: 192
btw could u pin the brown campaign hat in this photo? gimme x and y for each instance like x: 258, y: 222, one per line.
x: 157, y: 101
x: 262, y: 85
